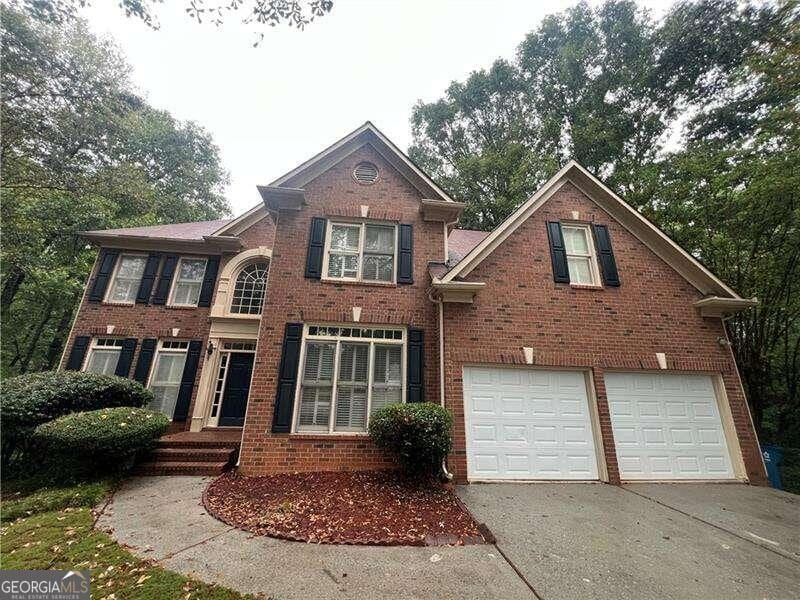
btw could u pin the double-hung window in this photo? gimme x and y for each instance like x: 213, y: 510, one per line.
x: 165, y: 378
x: 581, y: 259
x: 126, y: 279
x: 361, y: 252
x: 188, y: 282
x: 103, y: 356
x: 347, y: 374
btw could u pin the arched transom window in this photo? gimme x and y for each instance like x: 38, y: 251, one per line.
x: 248, y: 293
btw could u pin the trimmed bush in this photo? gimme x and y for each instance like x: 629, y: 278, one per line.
x: 36, y: 398
x: 108, y: 439
x: 418, y: 434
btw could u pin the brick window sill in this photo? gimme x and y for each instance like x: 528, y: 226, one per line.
x: 583, y: 286
x: 168, y: 307
x: 330, y: 437
x: 383, y: 284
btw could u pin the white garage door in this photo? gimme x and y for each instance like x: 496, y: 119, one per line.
x: 527, y: 424
x: 667, y: 426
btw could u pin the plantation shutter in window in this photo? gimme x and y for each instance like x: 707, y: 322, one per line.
x: 125, y: 357
x: 187, y: 381
x: 78, y: 353
x: 317, y: 386
x: 146, y: 353
x: 148, y: 279
x: 351, y: 393
x: 608, y: 265
x: 106, y: 261
x: 287, y: 378
x: 415, y: 366
x: 405, y: 255
x: 165, y: 281
x: 209, y: 279
x: 316, y: 248
x: 558, y: 252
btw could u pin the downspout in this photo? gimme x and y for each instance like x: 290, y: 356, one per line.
x: 440, y: 308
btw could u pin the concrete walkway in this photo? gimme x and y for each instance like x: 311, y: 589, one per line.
x: 646, y: 541
x: 161, y: 518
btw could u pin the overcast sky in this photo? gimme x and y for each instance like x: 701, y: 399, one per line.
x: 270, y: 108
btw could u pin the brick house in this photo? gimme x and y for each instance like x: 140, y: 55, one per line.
x: 575, y: 341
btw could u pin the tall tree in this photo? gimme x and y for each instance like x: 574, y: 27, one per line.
x: 80, y: 150
x: 692, y: 119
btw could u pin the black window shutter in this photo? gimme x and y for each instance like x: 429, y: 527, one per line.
x: 287, y: 378
x: 148, y: 279
x: 165, y: 281
x: 146, y: 353
x: 606, y: 255
x: 558, y: 252
x: 316, y: 248
x: 107, y: 260
x: 405, y: 255
x: 78, y: 352
x: 415, y: 366
x: 187, y: 381
x: 209, y: 279
x: 125, y: 357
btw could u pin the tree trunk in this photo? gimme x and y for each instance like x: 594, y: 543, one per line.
x: 34, y: 342
x: 57, y: 343
x: 11, y: 285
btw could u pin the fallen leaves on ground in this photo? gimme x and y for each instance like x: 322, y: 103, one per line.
x: 369, y: 507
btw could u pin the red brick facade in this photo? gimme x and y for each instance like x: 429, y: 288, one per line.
x: 596, y: 329
x: 143, y: 321
x: 291, y: 298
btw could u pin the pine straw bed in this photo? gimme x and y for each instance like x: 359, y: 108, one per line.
x: 369, y: 507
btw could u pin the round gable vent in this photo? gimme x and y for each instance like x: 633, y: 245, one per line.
x: 365, y: 173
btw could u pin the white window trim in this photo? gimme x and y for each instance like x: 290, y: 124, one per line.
x: 110, y: 287
x: 235, y: 280
x: 362, y: 223
x: 175, y: 281
x: 160, y: 349
x: 93, y: 345
x: 592, y: 255
x: 403, y: 342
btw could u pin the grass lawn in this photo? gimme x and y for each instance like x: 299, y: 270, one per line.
x: 58, y: 533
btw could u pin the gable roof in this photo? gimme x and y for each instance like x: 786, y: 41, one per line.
x: 172, y: 231
x: 679, y: 259
x: 317, y: 164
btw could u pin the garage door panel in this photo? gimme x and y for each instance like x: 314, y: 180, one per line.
x: 540, y: 430
x: 667, y: 426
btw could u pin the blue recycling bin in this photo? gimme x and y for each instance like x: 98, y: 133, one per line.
x: 772, y: 460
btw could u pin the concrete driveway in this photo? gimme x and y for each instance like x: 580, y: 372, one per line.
x: 161, y: 518
x: 642, y: 541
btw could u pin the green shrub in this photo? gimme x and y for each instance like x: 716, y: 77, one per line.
x: 36, y: 398
x: 418, y: 434
x: 107, y: 440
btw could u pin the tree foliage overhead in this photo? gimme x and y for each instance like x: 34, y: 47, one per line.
x: 255, y: 13
x: 80, y: 150
x: 694, y: 119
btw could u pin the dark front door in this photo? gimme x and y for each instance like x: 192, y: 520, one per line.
x: 237, y: 388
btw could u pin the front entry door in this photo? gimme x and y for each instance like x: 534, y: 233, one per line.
x: 237, y: 388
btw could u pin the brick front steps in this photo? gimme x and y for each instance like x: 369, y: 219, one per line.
x: 207, y: 452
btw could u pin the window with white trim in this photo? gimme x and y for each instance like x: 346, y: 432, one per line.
x: 126, y: 279
x: 581, y: 259
x: 346, y: 375
x: 165, y: 378
x: 361, y: 251
x: 248, y: 291
x: 103, y: 356
x: 188, y: 281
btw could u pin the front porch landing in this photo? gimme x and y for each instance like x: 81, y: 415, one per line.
x: 206, y: 452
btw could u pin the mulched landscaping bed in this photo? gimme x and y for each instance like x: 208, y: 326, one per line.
x: 368, y: 507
